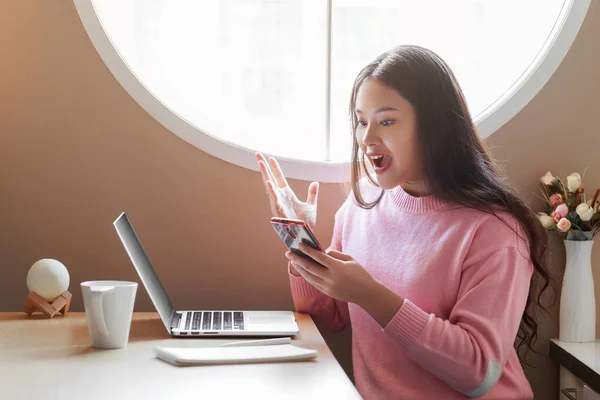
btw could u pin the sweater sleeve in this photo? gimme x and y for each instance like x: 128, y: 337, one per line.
x: 469, y: 350
x: 330, y: 315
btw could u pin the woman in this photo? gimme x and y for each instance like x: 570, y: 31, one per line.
x: 430, y: 263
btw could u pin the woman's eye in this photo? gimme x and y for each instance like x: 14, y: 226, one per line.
x: 362, y: 123
x: 387, y: 122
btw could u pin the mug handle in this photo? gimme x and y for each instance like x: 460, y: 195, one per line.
x: 97, y: 312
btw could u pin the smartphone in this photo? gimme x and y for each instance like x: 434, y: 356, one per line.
x: 294, y: 231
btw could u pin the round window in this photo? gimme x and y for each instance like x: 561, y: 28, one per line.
x: 237, y: 76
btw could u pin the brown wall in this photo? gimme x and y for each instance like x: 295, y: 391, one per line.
x: 76, y: 150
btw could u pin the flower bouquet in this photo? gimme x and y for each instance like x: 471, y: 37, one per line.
x: 567, y: 209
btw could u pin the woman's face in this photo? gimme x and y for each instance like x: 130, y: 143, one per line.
x: 387, y: 134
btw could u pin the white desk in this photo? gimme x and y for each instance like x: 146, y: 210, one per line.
x: 47, y: 359
x: 580, y: 365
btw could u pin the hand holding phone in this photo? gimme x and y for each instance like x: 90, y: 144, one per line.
x: 293, y: 232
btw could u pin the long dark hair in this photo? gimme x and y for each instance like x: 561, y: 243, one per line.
x: 456, y: 165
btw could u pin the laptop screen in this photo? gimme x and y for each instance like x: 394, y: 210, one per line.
x: 140, y: 261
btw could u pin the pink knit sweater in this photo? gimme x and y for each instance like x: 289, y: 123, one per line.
x: 464, y: 276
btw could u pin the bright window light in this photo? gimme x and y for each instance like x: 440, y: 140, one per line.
x: 276, y: 75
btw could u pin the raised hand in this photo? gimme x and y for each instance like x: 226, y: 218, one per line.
x: 283, y: 200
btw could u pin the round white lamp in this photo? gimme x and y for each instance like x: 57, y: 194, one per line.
x: 48, y: 281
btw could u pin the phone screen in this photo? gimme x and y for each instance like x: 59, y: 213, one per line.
x: 293, y: 232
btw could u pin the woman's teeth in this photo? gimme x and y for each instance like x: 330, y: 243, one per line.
x: 381, y: 163
x: 379, y: 160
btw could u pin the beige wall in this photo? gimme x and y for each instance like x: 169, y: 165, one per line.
x: 76, y: 150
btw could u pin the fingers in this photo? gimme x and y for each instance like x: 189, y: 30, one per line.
x: 312, y: 279
x: 271, y: 171
x: 268, y: 182
x: 316, y: 272
x: 313, y: 193
x: 276, y: 207
x: 316, y: 255
x: 276, y: 170
x: 339, y: 255
x: 293, y: 268
x: 271, y: 191
x: 265, y: 172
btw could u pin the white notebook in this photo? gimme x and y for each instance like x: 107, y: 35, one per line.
x: 233, y: 355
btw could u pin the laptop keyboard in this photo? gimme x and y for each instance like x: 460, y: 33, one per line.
x: 217, y: 317
x: 176, y: 321
x: 213, y: 320
x: 206, y: 321
x: 238, y: 320
x: 196, y: 321
x: 227, y: 323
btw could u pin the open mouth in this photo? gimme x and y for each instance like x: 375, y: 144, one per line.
x: 380, y: 162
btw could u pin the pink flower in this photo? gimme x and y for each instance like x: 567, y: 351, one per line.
x: 562, y: 210
x: 563, y: 225
x: 556, y: 217
x: 555, y: 199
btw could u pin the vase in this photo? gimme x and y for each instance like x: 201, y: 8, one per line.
x: 577, y: 301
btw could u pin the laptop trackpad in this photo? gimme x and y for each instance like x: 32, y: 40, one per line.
x: 269, y: 320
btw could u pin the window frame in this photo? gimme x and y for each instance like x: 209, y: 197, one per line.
x: 489, y: 121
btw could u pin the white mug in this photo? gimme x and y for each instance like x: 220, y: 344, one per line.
x: 109, y: 308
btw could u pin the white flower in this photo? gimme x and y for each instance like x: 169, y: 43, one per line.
x: 573, y: 182
x: 585, y: 212
x: 548, y: 179
x: 546, y: 220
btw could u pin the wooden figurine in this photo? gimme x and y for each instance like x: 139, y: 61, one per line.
x: 36, y: 302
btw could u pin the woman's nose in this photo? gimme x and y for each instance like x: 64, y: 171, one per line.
x: 370, y: 136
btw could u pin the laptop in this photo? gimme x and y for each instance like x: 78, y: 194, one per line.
x: 192, y: 323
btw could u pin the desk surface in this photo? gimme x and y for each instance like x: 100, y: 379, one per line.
x: 52, y: 359
x: 582, y: 359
